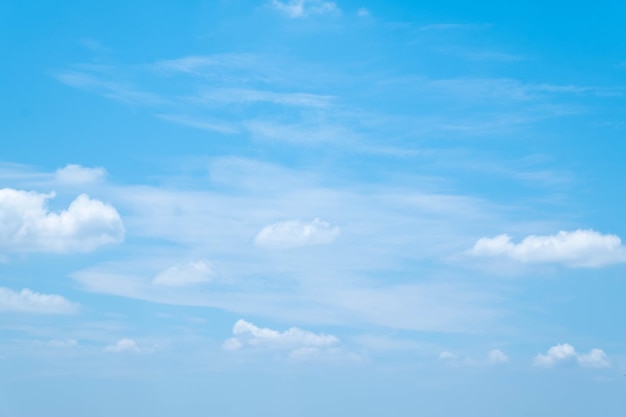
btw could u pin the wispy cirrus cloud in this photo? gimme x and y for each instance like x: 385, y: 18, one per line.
x: 250, y: 96
x: 494, y: 357
x: 211, y: 125
x: 452, y: 26
x: 303, y: 8
x: 111, y: 89
x: 185, y: 273
x: 295, y: 233
x: 343, y: 282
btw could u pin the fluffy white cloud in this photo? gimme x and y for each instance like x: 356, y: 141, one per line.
x: 27, y: 225
x: 496, y: 357
x: 294, y: 233
x: 447, y: 356
x: 580, y: 248
x: 555, y: 354
x: 123, y: 345
x: 27, y: 301
x: 565, y: 352
x: 302, y: 8
x: 184, y: 274
x: 301, y: 344
x: 77, y: 174
x: 596, y: 358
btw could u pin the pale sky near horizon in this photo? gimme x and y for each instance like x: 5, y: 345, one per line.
x: 308, y: 207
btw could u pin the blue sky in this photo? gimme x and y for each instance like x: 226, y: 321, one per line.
x: 307, y: 207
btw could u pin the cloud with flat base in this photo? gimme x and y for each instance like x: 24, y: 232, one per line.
x: 565, y: 353
x: 577, y: 249
x: 77, y: 174
x: 28, y: 301
x: 123, y: 345
x: 296, y: 343
x: 26, y: 224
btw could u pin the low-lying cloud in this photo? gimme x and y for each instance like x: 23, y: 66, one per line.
x: 580, y: 248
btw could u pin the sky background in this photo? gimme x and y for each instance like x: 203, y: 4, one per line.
x: 307, y: 207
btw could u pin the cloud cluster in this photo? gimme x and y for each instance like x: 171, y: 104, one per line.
x: 301, y: 344
x: 185, y: 274
x: 27, y: 301
x: 564, y: 353
x: 580, y: 248
x: 303, y: 8
x: 26, y: 224
x: 295, y: 233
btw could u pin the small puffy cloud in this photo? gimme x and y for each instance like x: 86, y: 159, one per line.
x: 447, y: 356
x: 27, y: 301
x: 303, y: 8
x: 77, y: 174
x: 496, y: 357
x: 123, y: 345
x: 565, y: 352
x: 295, y: 233
x: 185, y: 274
x: 26, y: 224
x: 580, y: 248
x: 556, y: 354
x: 596, y: 358
x: 301, y: 344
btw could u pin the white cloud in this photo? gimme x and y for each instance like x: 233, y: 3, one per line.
x: 27, y: 301
x: 363, y: 12
x: 447, y: 356
x: 249, y: 96
x: 77, y: 174
x: 295, y: 233
x: 596, y: 358
x: 301, y: 344
x: 113, y: 90
x: 555, y: 354
x: 183, y: 274
x: 496, y: 357
x: 380, y: 231
x: 122, y: 345
x: 214, y: 126
x: 302, y: 8
x: 563, y: 353
x: 26, y: 224
x: 66, y: 343
x: 580, y: 248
